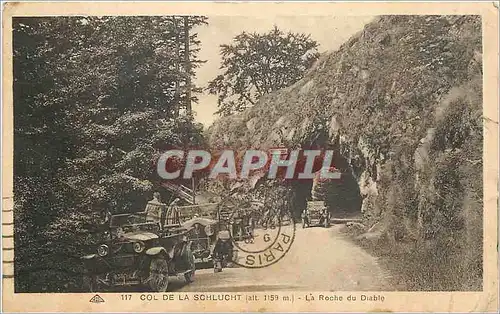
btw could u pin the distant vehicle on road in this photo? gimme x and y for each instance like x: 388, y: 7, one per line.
x: 316, y: 214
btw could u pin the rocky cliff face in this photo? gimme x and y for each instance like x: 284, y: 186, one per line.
x: 401, y: 101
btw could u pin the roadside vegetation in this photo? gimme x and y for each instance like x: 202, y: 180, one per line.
x: 401, y: 102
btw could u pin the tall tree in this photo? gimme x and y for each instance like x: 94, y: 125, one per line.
x: 94, y: 103
x: 257, y: 64
x: 187, y: 65
x: 186, y: 46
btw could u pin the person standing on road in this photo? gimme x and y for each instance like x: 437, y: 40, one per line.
x: 223, y: 251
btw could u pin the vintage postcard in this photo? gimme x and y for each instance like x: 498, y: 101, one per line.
x: 257, y: 157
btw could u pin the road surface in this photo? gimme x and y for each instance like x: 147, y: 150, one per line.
x: 320, y: 259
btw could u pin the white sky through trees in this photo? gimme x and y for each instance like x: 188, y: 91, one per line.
x: 329, y: 31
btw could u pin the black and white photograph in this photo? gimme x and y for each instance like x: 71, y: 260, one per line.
x: 218, y: 155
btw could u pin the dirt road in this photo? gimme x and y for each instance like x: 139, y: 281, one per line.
x: 319, y: 259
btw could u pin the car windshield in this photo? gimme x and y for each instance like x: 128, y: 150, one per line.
x: 127, y: 219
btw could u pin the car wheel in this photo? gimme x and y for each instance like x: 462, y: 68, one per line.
x: 189, y: 276
x: 158, y: 275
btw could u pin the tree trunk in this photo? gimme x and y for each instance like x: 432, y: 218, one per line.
x: 177, y: 67
x: 187, y: 63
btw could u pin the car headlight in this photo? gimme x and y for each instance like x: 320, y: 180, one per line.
x: 139, y: 247
x: 102, y: 250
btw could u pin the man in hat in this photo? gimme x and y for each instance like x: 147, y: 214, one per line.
x: 155, y: 209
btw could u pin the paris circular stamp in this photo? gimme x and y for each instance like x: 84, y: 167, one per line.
x: 260, y: 238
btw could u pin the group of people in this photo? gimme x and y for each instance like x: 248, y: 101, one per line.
x: 159, y: 212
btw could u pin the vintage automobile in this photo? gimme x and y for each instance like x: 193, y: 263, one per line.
x: 202, y: 234
x: 141, y: 253
x: 211, y: 242
x: 315, y: 214
x: 237, y: 217
x: 241, y: 226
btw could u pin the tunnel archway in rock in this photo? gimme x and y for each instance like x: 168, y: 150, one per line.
x: 342, y: 196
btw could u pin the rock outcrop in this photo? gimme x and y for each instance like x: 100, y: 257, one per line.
x: 401, y: 102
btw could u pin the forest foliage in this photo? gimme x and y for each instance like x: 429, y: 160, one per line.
x: 95, y: 100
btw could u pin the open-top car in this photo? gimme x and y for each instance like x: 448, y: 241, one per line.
x: 315, y: 214
x: 139, y: 252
